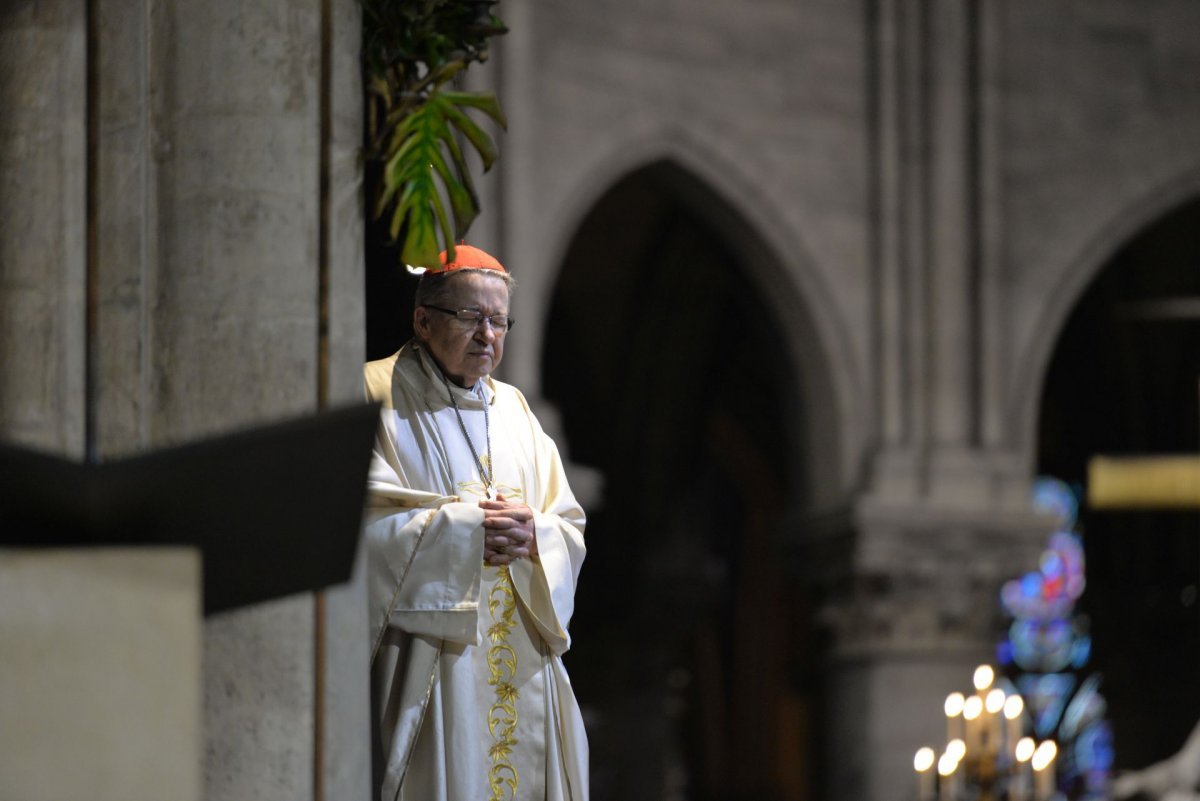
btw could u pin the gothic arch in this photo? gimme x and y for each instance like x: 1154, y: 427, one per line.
x: 718, y: 191
x: 683, y: 378
x: 1110, y: 236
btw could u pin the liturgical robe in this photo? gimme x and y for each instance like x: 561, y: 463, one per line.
x: 471, y: 699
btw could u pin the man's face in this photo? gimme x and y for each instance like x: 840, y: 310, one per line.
x: 465, y: 353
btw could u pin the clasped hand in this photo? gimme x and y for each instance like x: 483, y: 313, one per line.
x: 507, y: 531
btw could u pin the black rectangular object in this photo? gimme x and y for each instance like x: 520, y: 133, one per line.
x: 275, y: 510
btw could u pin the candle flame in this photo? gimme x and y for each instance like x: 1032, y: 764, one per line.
x: 923, y: 761
x: 1014, y: 705
x: 956, y: 749
x: 973, y: 707
x: 995, y: 701
x: 1043, y: 757
x: 984, y: 676
x: 1025, y: 747
x: 954, y: 705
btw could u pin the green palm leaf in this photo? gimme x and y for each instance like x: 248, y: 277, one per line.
x: 425, y: 165
x: 417, y: 131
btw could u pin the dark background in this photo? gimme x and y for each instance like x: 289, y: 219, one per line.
x: 1125, y: 379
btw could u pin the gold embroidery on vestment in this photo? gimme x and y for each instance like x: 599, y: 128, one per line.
x: 502, y: 669
x: 503, y: 778
x: 479, y: 490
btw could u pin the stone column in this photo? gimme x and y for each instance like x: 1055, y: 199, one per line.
x: 43, y: 164
x: 516, y: 197
x: 230, y: 285
x: 911, y: 574
x: 909, y: 600
x: 345, y: 750
x: 217, y: 143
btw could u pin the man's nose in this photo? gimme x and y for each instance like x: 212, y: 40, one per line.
x: 484, y: 331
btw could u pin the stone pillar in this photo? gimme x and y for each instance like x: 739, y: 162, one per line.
x: 525, y: 250
x: 911, y: 575
x: 910, y: 605
x: 345, y: 749
x: 930, y: 248
x: 43, y: 163
x: 218, y: 144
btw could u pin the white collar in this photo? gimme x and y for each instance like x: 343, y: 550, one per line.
x: 435, y: 387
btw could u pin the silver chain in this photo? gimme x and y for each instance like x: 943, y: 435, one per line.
x: 488, y: 474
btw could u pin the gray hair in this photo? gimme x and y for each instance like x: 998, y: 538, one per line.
x: 434, y: 288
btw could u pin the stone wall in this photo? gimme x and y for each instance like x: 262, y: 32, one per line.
x: 727, y: 91
x: 1099, y: 116
x: 43, y: 158
x: 181, y: 256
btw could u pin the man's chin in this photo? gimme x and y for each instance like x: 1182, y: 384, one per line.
x: 479, y: 367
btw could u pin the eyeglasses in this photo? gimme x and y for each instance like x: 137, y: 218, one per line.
x: 469, y: 318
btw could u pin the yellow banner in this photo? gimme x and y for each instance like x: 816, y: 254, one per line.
x: 1144, y: 482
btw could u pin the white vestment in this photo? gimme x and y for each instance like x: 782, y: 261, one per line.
x: 471, y: 699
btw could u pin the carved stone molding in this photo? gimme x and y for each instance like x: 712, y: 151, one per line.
x: 916, y: 576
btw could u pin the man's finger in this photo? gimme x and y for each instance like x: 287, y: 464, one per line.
x: 497, y: 506
x: 515, y: 514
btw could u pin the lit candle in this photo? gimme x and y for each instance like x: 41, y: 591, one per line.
x: 1043, y: 770
x: 972, y: 709
x: 923, y: 764
x: 954, y: 721
x: 947, y: 767
x: 1014, y: 706
x: 957, y: 749
x: 977, y: 739
x: 1021, y: 781
x: 993, y: 704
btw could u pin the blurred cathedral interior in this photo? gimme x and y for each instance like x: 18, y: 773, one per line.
x: 869, y: 332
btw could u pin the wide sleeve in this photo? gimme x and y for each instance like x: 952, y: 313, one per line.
x: 425, y: 561
x: 424, y: 549
x: 547, y: 585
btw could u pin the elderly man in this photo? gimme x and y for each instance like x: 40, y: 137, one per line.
x: 474, y: 547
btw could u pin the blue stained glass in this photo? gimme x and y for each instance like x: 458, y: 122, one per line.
x: 1023, y: 636
x: 1057, y: 643
x: 1087, y: 706
x: 1010, y: 596
x: 1083, y: 651
x: 1094, y: 751
x: 1055, y: 497
x: 1047, y: 639
x: 1046, y: 696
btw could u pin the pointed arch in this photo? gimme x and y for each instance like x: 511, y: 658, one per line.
x: 1110, y: 235
x: 682, y: 361
x: 818, y: 347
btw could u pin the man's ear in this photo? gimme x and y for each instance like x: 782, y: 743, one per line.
x: 421, y: 322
